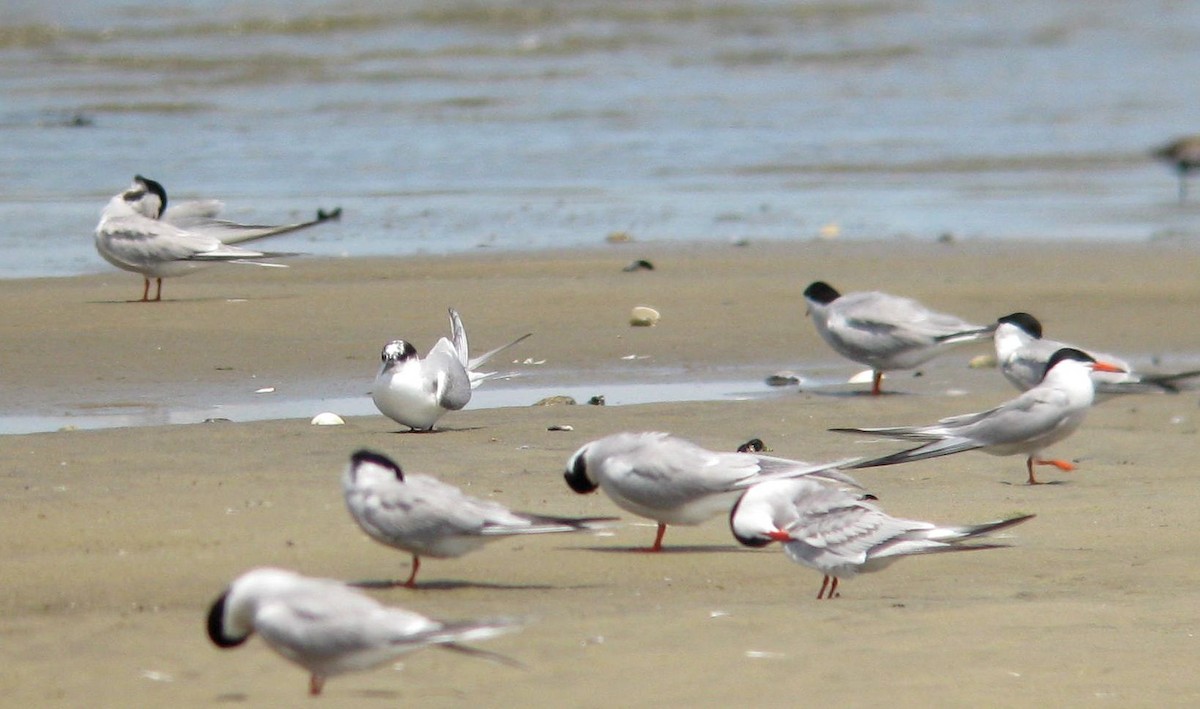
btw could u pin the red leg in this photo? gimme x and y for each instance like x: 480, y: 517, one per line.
x: 824, y: 585
x: 833, y: 589
x: 876, y: 382
x: 315, y: 684
x: 662, y: 529
x: 157, y: 291
x: 145, y: 289
x: 412, y: 577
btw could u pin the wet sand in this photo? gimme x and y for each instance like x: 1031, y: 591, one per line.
x: 115, y: 541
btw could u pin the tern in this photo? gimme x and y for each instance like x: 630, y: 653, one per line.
x: 138, y: 233
x: 424, y: 516
x: 1035, y: 420
x: 885, y: 332
x: 841, y: 534
x: 1022, y: 354
x: 674, y: 481
x: 329, y: 628
x: 417, y: 392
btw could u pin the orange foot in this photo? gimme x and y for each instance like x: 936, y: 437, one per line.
x: 1062, y: 465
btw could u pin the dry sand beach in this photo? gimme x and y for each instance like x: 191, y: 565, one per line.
x: 115, y: 541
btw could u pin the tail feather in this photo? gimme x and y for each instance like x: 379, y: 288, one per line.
x: 785, y: 469
x: 484, y: 655
x: 234, y: 255
x: 973, y: 335
x: 554, y: 525
x: 918, y: 433
x: 471, y: 630
x: 942, y: 548
x: 478, y: 361
x: 964, y: 532
x: 451, y: 636
x: 246, y: 262
x: 234, y: 233
x: 1171, y: 383
x: 578, y: 523
x: 458, y: 336
x: 936, y: 449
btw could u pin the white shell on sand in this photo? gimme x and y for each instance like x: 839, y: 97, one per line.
x: 327, y: 418
x: 983, y: 361
x: 643, y: 316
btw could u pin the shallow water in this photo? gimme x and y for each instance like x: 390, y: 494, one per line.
x: 268, y: 406
x: 443, y: 127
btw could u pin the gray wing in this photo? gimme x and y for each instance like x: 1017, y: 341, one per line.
x: 451, y: 382
x: 459, y: 513
x: 458, y: 338
x: 138, y: 240
x: 669, y: 470
x: 231, y: 232
x: 420, y: 507
x: 771, y: 468
x: 334, y: 628
x: 691, y: 467
x: 903, y: 318
x: 835, y: 528
x: 685, y: 470
x: 1029, y: 416
x: 1032, y: 414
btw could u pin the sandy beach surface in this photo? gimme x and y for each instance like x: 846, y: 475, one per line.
x: 115, y: 541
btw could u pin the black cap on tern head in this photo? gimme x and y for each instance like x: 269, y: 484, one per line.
x: 1067, y: 353
x: 1026, y: 322
x: 398, y: 351
x: 156, y: 188
x: 576, y: 475
x: 755, y: 541
x: 216, y: 625
x: 821, y: 292
x: 365, y: 456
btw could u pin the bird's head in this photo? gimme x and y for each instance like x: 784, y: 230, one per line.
x: 397, y: 351
x: 820, y: 293
x: 1024, y: 322
x: 146, y: 197
x: 368, y: 466
x: 230, y: 619
x: 576, y: 474
x: 1069, y: 356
